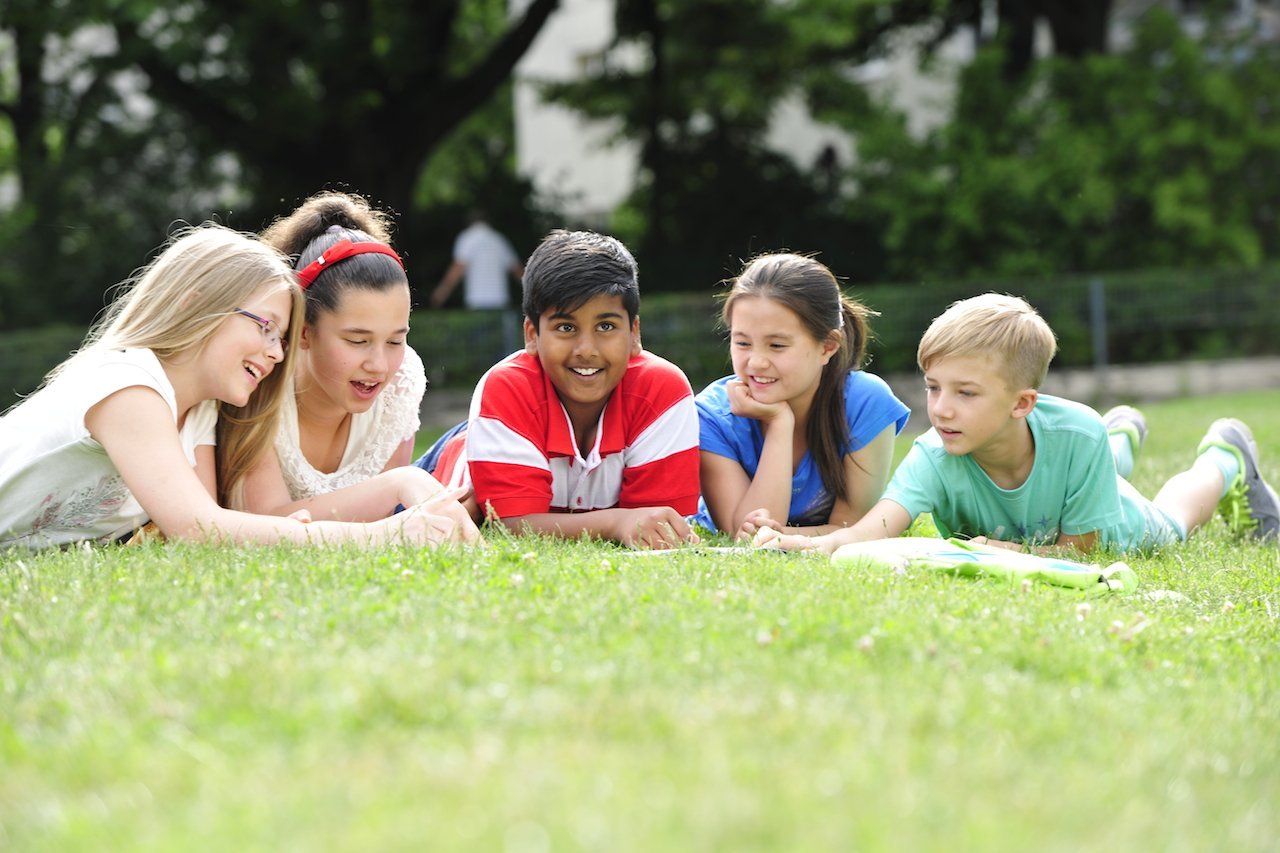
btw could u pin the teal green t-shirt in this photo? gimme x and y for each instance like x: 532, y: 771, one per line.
x: 1073, y: 487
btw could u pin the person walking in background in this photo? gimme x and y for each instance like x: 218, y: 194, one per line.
x: 482, y: 260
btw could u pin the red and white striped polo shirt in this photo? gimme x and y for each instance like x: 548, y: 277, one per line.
x: 521, y: 456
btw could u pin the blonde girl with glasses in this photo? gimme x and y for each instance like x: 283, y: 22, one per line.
x: 124, y: 430
x: 351, y: 414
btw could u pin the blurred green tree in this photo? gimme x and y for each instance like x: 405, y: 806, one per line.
x: 122, y: 114
x: 1165, y: 154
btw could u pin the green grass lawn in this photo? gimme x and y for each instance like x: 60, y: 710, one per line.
x: 554, y: 696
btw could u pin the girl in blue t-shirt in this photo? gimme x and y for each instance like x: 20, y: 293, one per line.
x: 798, y: 431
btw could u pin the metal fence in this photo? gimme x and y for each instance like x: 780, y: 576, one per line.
x: 1129, y: 318
x: 1100, y: 321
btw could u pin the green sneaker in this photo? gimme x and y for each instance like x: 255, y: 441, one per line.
x: 1250, y: 505
x: 1127, y: 421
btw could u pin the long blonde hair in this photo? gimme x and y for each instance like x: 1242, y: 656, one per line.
x: 173, y: 306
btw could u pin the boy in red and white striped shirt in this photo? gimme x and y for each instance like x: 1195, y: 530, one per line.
x: 583, y: 432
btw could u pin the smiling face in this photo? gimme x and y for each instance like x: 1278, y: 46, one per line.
x: 347, y: 356
x: 972, y: 408
x: 773, y: 352
x: 585, y: 353
x: 237, y: 357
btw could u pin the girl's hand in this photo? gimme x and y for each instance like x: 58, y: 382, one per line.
x: 755, y: 522
x: 435, y: 521
x: 447, y: 504
x: 742, y: 404
x: 768, y: 537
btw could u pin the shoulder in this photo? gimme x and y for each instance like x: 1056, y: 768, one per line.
x: 713, y: 401
x: 866, y: 392
x: 102, y: 372
x: 516, y: 384
x: 1057, y: 417
x: 410, y: 381
x: 647, y: 369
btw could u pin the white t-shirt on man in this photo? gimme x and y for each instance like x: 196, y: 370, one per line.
x: 488, y: 259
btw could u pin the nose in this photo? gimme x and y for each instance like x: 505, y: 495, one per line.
x: 757, y: 358
x: 275, y: 350
x: 376, y: 362
x: 584, y: 345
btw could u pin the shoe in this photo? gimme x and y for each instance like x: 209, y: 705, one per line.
x: 1250, y: 505
x: 1128, y: 421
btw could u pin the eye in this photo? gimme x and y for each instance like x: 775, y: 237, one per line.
x: 607, y: 326
x: 396, y: 343
x: 355, y: 343
x: 564, y: 328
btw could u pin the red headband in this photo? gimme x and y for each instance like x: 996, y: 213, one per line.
x: 340, y: 251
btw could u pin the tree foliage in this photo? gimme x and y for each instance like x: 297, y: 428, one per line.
x: 1165, y: 154
x: 124, y: 114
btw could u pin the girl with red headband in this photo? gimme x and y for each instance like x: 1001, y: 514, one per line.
x: 123, y: 431
x: 347, y: 427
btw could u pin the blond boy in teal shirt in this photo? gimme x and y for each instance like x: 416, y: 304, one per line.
x: 1009, y: 466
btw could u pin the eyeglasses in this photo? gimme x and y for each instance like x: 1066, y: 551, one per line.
x: 270, y: 334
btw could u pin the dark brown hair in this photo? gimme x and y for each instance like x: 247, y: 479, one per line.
x: 318, y: 223
x: 811, y: 292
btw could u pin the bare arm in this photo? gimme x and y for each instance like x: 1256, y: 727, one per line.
x: 730, y: 494
x: 1082, y: 542
x: 135, y: 427
x: 644, y: 527
x: 866, y: 473
x: 267, y: 493
x: 207, y: 469
x: 445, y: 288
x: 403, y: 455
x: 884, y: 521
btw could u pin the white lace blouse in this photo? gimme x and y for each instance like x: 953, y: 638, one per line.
x: 374, y: 436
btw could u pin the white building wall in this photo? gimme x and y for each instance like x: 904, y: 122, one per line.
x: 588, y: 173
x: 569, y: 158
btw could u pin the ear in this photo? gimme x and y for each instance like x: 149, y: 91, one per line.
x: 304, y: 339
x: 530, y: 337
x: 636, y: 346
x: 831, y: 345
x: 1025, y: 402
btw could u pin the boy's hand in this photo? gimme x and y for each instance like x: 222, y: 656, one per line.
x: 653, y: 527
x: 998, y: 543
x: 742, y: 404
x: 756, y: 521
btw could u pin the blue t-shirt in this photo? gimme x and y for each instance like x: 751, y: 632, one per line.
x: 1073, y: 487
x: 869, y: 407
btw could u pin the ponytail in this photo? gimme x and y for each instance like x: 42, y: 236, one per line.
x: 828, y: 429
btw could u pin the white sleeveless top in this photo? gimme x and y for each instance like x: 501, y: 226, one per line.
x: 374, y: 435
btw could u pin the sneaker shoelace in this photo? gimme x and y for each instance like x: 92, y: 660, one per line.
x: 1234, y: 507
